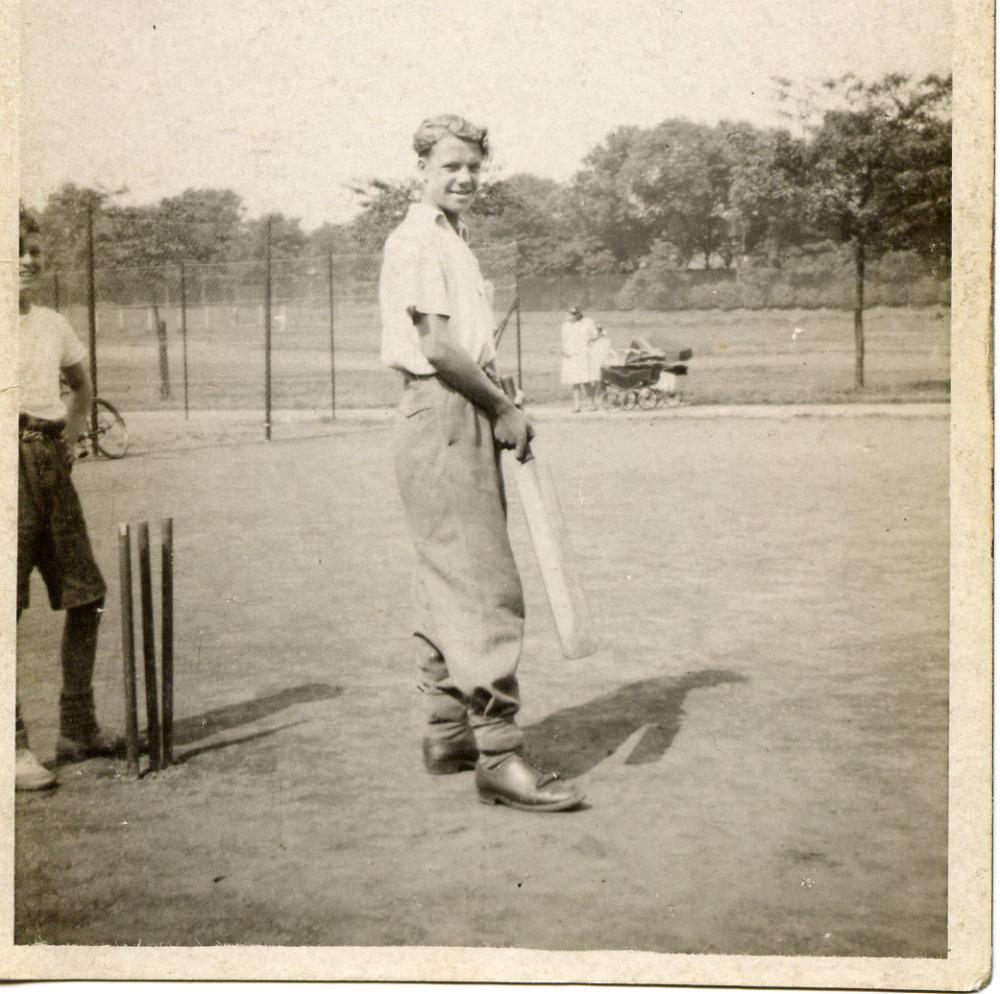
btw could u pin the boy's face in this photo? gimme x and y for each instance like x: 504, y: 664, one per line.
x: 30, y: 264
x: 451, y: 174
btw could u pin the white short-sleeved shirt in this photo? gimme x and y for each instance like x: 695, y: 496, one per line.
x: 429, y: 266
x: 46, y: 345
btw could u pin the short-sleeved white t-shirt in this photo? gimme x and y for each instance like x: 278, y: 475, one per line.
x: 46, y: 344
x: 428, y: 266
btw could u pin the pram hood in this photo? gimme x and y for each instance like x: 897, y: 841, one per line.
x: 641, y: 351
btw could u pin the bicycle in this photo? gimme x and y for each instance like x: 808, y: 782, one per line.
x: 111, y: 434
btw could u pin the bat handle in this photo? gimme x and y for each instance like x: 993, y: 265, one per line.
x: 507, y: 384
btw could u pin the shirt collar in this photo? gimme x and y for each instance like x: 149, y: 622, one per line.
x: 422, y: 212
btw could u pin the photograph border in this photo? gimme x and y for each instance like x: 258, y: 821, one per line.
x: 967, y: 965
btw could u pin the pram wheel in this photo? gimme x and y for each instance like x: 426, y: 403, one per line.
x: 673, y: 399
x: 648, y: 399
x: 630, y: 400
x: 610, y: 398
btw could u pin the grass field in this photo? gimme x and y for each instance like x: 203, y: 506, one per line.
x: 763, y: 737
x: 740, y: 356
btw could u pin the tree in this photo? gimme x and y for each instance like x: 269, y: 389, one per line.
x: 288, y: 240
x: 331, y: 239
x: 675, y: 183
x: 539, y: 214
x: 200, y: 225
x: 678, y: 174
x: 194, y: 226
x: 879, y: 173
x: 384, y: 204
x: 608, y: 212
x: 129, y: 236
x: 64, y: 224
x: 766, y: 192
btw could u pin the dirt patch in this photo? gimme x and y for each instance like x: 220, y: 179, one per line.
x: 763, y: 737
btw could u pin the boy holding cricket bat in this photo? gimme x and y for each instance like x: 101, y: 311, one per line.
x: 437, y: 331
x: 51, y: 531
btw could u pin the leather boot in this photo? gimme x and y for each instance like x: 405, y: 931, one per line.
x: 442, y: 756
x: 518, y: 784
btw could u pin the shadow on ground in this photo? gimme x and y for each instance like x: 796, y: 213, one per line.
x: 202, y: 726
x: 576, y: 739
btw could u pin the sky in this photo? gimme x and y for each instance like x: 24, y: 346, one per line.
x: 288, y: 101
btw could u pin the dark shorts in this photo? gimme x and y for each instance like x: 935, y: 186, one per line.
x: 51, y: 531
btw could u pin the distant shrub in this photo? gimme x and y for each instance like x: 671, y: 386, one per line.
x: 806, y: 280
x: 718, y: 296
x: 899, y: 267
x: 657, y: 289
x: 753, y: 296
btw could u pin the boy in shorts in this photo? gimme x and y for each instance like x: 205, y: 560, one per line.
x: 51, y: 531
x: 437, y: 331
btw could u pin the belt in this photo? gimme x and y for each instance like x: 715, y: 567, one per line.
x: 409, y: 377
x: 29, y: 427
x: 488, y: 369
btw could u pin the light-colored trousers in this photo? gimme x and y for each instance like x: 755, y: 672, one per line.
x: 470, y: 607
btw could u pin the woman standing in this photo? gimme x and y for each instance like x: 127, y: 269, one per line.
x: 577, y: 334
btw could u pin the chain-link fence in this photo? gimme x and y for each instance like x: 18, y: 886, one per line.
x: 273, y: 335
x: 297, y: 340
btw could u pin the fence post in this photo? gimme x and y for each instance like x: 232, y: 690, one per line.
x: 333, y: 372
x: 184, y: 336
x: 161, y: 343
x: 517, y: 311
x: 55, y: 287
x: 859, y: 314
x: 92, y: 323
x: 267, y: 330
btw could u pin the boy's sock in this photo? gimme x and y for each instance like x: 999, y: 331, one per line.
x: 21, y: 730
x: 77, y: 719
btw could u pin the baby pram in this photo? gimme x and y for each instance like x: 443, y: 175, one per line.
x: 645, y: 379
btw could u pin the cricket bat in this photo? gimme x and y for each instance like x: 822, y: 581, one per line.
x: 550, y: 539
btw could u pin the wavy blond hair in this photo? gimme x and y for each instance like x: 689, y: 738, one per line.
x: 433, y: 129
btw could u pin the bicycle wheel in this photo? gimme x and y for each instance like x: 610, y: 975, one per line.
x: 112, y: 435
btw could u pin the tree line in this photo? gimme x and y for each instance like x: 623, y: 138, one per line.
x: 867, y: 165
x: 861, y: 169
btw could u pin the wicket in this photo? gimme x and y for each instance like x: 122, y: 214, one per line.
x: 159, y: 706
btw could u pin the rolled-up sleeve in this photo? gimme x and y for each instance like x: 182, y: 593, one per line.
x: 413, y: 280
x: 422, y: 275
x: 427, y: 268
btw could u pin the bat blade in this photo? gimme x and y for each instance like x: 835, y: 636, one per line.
x: 550, y: 539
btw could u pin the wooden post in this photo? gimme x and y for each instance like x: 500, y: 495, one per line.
x: 92, y: 323
x: 128, y: 649
x: 184, y: 335
x: 161, y: 344
x: 149, y: 650
x: 267, y: 331
x: 517, y: 312
x: 167, y: 637
x: 859, y: 306
x: 333, y: 372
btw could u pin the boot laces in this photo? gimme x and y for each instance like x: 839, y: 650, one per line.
x: 543, y: 776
